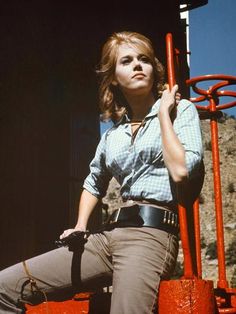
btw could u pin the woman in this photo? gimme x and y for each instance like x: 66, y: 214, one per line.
x: 150, y: 155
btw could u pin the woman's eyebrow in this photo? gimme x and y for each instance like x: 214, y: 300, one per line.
x: 125, y: 57
x: 142, y: 55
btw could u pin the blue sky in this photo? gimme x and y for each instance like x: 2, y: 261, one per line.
x: 212, y: 41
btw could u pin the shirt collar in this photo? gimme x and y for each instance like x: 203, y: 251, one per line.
x: 153, y: 112
x: 154, y: 109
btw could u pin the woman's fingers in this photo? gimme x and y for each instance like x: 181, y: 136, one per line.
x: 177, y: 98
x: 66, y: 233
x: 174, y: 89
x: 176, y: 94
x: 170, y: 98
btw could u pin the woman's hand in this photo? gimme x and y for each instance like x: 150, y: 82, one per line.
x: 169, y: 98
x: 67, y: 232
x: 86, y: 206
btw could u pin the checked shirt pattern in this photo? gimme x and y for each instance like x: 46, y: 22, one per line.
x: 137, y: 164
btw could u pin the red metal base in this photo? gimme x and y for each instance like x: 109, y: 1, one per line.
x: 226, y: 300
x: 185, y: 296
x: 67, y: 307
x: 80, y: 305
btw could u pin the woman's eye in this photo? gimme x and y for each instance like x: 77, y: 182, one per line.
x: 145, y: 59
x: 125, y: 61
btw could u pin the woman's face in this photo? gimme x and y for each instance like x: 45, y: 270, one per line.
x: 133, y: 72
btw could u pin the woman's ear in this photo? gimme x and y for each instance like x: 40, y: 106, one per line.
x: 114, y: 83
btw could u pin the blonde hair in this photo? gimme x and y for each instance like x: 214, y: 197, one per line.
x: 112, y: 102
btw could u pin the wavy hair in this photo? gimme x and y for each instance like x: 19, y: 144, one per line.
x: 112, y: 102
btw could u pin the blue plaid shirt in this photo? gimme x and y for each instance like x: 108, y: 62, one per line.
x: 138, y: 164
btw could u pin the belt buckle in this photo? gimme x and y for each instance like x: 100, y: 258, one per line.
x: 116, y: 216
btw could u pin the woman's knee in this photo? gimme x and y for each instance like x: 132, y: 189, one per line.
x: 11, y: 281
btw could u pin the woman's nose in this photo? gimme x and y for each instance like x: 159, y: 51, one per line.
x: 137, y: 64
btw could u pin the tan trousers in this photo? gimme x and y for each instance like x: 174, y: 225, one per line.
x: 131, y: 259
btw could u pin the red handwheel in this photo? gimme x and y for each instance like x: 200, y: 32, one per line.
x: 213, y: 93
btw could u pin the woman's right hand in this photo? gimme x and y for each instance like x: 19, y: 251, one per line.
x: 87, y: 204
x: 67, y: 232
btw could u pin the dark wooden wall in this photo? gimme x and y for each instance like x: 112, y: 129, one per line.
x: 48, y: 107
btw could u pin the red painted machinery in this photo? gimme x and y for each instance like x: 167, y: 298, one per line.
x: 79, y: 305
x: 190, y: 294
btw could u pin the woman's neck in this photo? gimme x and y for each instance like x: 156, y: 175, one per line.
x: 140, y: 105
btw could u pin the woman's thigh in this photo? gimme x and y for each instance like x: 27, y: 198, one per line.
x: 52, y: 273
x: 141, y: 256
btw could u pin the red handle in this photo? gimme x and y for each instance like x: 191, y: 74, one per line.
x: 188, y: 265
x: 213, y: 91
x: 170, y: 60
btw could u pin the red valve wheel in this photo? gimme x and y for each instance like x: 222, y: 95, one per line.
x: 213, y: 92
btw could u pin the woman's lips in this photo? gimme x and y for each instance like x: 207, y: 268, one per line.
x: 138, y: 75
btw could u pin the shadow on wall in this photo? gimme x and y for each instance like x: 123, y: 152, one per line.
x: 48, y: 56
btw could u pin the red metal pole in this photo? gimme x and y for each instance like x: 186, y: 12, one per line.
x: 197, y: 237
x: 225, y: 296
x: 188, y: 265
x: 188, y: 294
x: 170, y: 60
x: 222, y: 282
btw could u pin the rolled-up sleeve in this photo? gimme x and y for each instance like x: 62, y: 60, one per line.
x: 188, y: 130
x: 98, y: 179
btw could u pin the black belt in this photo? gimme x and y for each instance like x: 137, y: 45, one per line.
x: 144, y: 216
